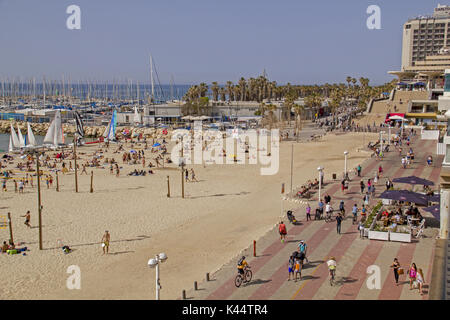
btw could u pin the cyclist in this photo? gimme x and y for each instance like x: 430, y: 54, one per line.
x: 242, y: 264
x: 332, y: 267
x: 302, y: 248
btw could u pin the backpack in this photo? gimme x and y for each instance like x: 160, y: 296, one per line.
x: 240, y: 262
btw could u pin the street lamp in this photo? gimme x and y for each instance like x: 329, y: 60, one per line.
x: 152, y: 263
x: 320, y: 169
x: 381, y: 141
x: 345, y: 163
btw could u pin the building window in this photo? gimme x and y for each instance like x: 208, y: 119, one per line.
x: 408, y: 26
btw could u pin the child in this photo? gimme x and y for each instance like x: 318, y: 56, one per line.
x: 291, y: 264
x: 361, y: 230
x: 298, y: 270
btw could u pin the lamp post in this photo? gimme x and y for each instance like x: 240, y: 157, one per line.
x: 154, y: 263
x: 320, y: 169
x: 381, y: 141
x: 345, y: 164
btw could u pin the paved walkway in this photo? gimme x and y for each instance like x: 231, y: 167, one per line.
x: 353, y: 254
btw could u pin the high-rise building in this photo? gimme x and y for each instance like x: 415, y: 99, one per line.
x: 426, y: 46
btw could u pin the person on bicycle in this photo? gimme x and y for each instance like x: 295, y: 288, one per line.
x: 328, y: 210
x: 342, y: 208
x: 332, y: 267
x: 242, y: 264
x: 302, y: 248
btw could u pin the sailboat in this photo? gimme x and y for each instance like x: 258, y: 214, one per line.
x: 21, y: 139
x: 55, y: 134
x: 110, y: 131
x: 13, y: 140
x: 30, y: 140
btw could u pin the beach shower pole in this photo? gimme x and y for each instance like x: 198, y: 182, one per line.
x: 39, y: 200
x: 92, y: 182
x: 57, y: 181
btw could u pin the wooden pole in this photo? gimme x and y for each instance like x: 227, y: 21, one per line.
x: 168, y: 187
x: 254, y: 248
x: 57, y: 181
x: 292, y: 163
x: 10, y: 228
x: 75, y: 154
x: 39, y: 200
x: 92, y: 181
x: 182, y: 169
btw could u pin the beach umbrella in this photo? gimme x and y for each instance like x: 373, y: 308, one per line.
x: 434, y: 210
x: 156, y: 144
x: 414, y: 180
x: 404, y: 195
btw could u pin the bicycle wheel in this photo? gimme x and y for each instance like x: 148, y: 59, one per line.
x: 248, y: 276
x: 238, y: 281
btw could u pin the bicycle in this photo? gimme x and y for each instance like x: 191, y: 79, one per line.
x: 332, y: 275
x: 247, y: 277
x: 329, y: 216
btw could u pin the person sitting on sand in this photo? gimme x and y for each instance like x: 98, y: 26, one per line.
x: 4, y: 247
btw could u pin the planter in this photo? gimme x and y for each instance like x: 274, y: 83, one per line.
x: 378, y: 235
x: 366, y: 232
x: 401, y: 237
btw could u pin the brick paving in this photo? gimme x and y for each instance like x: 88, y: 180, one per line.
x: 353, y: 254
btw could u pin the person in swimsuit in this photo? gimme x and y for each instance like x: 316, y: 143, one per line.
x: 105, y: 242
x: 27, y: 219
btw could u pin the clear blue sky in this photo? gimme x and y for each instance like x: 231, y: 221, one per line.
x: 297, y: 41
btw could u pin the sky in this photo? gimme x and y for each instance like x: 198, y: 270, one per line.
x: 193, y: 41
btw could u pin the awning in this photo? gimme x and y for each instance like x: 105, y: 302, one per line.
x: 429, y: 115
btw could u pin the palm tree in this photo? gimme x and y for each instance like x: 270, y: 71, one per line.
x: 215, y: 91
x: 229, y: 90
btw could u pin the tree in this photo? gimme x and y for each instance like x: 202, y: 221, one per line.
x: 215, y: 91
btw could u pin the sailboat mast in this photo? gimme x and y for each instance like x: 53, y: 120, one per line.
x: 151, y: 77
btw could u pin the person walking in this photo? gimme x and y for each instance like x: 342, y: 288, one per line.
x: 420, y: 280
x: 397, y: 270
x: 412, y: 273
x: 338, y: 223
x: 282, y: 230
x: 291, y: 266
x: 359, y: 170
x: 105, y: 242
x: 362, y: 186
x: 308, y: 212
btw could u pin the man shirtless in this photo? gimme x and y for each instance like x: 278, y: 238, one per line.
x: 27, y: 219
x: 105, y: 242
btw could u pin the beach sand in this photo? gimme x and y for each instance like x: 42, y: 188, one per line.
x: 222, y: 214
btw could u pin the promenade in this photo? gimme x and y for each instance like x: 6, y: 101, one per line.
x: 353, y: 254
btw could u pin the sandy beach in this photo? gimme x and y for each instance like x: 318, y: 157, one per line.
x: 223, y: 213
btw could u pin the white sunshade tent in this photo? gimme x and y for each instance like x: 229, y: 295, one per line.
x: 396, y: 118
